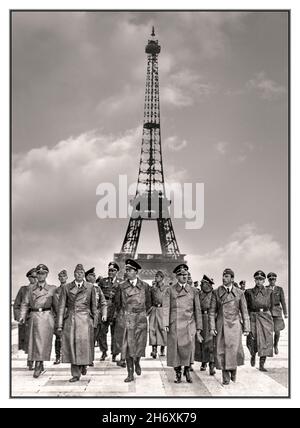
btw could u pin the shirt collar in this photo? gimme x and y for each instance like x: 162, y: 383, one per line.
x: 79, y: 284
x: 133, y: 282
x: 228, y: 287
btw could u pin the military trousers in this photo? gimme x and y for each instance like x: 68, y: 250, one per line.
x: 102, y: 338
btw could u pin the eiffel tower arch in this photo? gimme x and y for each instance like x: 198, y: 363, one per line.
x: 150, y: 202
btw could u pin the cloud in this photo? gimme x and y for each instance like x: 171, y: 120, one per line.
x: 246, y: 251
x: 172, y: 143
x: 222, y: 147
x: 266, y: 88
x: 237, y: 153
x: 184, y: 88
x: 54, y: 201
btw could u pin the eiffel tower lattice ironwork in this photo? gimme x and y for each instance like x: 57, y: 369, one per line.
x: 150, y: 202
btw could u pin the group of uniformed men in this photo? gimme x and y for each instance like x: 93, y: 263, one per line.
x: 204, y: 325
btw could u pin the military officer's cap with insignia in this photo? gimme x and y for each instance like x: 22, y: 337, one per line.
x: 30, y: 272
x: 92, y: 271
x: 63, y: 272
x: 207, y: 279
x: 182, y: 268
x: 271, y: 274
x: 259, y: 273
x: 113, y: 265
x: 79, y: 267
x: 132, y: 264
x: 228, y: 271
x: 42, y: 268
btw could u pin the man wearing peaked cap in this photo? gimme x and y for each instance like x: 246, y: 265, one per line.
x: 79, y: 298
x: 182, y: 267
x: 41, y: 303
x: 108, y: 287
x: 182, y: 321
x: 260, y: 339
x: 132, y: 264
x: 204, y: 351
x: 23, y: 330
x: 228, y: 306
x: 62, y: 277
x: 278, y: 305
x: 133, y: 301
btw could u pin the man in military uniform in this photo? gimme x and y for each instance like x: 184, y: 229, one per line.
x: 242, y: 285
x: 62, y: 277
x: 23, y: 330
x: 109, y: 286
x: 228, y: 307
x: 157, y: 333
x: 182, y: 321
x: 260, y: 339
x: 204, y: 351
x: 133, y: 300
x: 41, y: 302
x: 278, y: 305
x: 90, y: 277
x: 79, y: 298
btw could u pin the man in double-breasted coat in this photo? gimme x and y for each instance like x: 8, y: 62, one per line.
x: 109, y: 286
x: 133, y: 301
x: 278, y: 305
x: 23, y: 330
x: 157, y: 332
x: 204, y: 351
x: 41, y: 305
x: 228, y: 307
x: 259, y: 302
x: 182, y: 321
x: 78, y: 328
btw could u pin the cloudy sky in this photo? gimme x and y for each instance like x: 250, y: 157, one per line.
x: 77, y: 98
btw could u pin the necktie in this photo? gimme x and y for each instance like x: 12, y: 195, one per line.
x: 228, y: 290
x: 41, y: 287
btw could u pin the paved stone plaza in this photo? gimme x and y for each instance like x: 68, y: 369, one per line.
x: 107, y: 379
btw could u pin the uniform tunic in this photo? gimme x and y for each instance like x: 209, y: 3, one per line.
x: 78, y: 327
x: 259, y: 302
x: 278, y: 304
x: 41, y: 323
x: 157, y: 333
x: 23, y: 330
x: 224, y: 316
x: 204, y: 351
x: 132, y: 303
x: 109, y: 289
x: 100, y: 303
x: 182, y: 314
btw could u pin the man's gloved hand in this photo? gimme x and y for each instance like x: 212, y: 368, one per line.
x: 213, y: 332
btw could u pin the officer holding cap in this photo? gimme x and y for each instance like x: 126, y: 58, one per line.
x: 133, y: 300
x: 40, y: 301
x: 259, y: 302
x: 278, y: 305
x: 182, y: 321
x: 228, y: 307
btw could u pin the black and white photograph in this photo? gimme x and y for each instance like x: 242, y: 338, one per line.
x: 150, y: 204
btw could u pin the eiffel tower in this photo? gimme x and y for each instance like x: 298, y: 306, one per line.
x: 150, y: 202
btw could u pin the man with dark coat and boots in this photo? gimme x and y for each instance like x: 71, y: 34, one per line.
x: 182, y: 321
x: 278, y: 305
x: 260, y: 339
x: 133, y: 299
x: 62, y: 277
x: 23, y: 330
x: 204, y: 351
x: 228, y: 308
x: 109, y: 286
x: 157, y: 332
x: 90, y: 277
x: 41, y: 302
x: 79, y: 298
